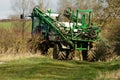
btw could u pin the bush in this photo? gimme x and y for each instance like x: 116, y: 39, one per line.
x: 12, y: 41
x: 113, y: 36
x: 112, y: 39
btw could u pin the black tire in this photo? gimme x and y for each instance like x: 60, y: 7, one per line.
x: 55, y: 52
x: 85, y: 55
x: 91, y: 52
x: 62, y: 55
x: 71, y: 55
x: 85, y: 52
x: 91, y: 55
x: 58, y: 53
x: 34, y: 46
x: 43, y: 48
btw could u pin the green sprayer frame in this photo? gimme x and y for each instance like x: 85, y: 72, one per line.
x: 78, y: 36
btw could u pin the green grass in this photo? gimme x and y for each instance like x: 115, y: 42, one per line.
x: 10, y: 24
x: 6, y: 24
x: 37, y: 68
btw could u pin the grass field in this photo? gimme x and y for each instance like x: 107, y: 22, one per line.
x: 10, y: 24
x: 5, y: 25
x: 41, y: 68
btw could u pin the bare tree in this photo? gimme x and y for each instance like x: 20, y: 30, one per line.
x: 23, y: 7
x: 44, y: 4
x: 114, y: 8
x: 106, y: 11
x: 63, y: 4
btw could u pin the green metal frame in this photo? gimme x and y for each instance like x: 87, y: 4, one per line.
x: 74, y: 38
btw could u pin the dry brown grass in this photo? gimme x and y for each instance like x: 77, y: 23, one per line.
x: 12, y: 44
x: 11, y: 39
x: 114, y: 75
x: 9, y: 57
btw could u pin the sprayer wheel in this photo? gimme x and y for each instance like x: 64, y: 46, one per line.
x: 59, y: 54
x: 71, y: 55
x: 43, y: 48
x: 62, y: 55
x: 55, y: 52
x: 91, y: 55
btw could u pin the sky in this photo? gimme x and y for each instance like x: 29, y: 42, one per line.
x: 6, y: 10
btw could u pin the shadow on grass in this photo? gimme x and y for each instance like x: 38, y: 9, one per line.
x: 41, y: 70
x: 47, y: 69
x: 114, y: 67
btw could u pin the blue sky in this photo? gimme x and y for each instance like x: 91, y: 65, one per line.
x: 5, y: 8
